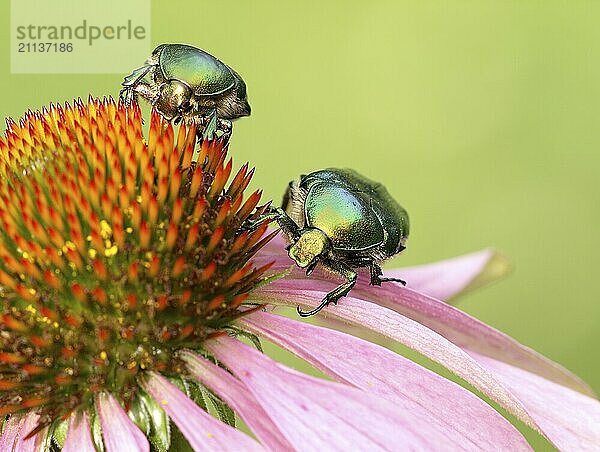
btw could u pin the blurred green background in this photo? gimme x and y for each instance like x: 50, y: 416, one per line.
x: 480, y: 117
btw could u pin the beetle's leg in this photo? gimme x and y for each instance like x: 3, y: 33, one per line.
x: 206, y: 121
x: 146, y: 91
x: 287, y: 225
x: 376, y: 274
x: 225, y: 126
x: 128, y: 94
x: 342, y: 290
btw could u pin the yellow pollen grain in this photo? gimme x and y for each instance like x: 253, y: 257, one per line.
x: 25, y: 255
x: 164, y: 402
x: 209, y: 435
x: 55, y: 325
x: 107, y: 244
x: 103, y: 355
x: 30, y: 308
x: 92, y: 253
x: 132, y: 365
x: 105, y: 229
x: 113, y: 250
x: 69, y: 246
x: 129, y: 230
x: 138, y: 198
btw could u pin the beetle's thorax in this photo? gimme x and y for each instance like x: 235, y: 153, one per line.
x: 311, y: 244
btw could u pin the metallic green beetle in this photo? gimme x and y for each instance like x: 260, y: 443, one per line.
x: 344, y: 221
x: 186, y: 83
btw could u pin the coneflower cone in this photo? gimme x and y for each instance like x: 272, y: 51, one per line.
x: 114, y: 254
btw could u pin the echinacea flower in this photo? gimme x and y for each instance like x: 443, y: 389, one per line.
x: 127, y: 285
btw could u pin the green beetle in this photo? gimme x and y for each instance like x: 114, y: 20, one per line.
x: 344, y: 221
x: 184, y: 82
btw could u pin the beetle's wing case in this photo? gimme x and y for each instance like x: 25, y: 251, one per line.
x: 344, y: 216
x: 392, y: 217
x: 204, y: 73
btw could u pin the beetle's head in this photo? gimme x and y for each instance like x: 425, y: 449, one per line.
x: 311, y: 244
x: 173, y: 99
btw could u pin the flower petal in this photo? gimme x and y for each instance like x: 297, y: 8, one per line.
x: 569, y: 419
x: 408, y: 332
x: 12, y: 430
x: 202, y: 431
x: 119, y: 432
x: 470, y: 333
x: 33, y: 444
x: 451, y: 323
x: 16, y: 428
x: 312, y: 412
x: 447, y: 279
x: 448, y: 406
x: 235, y: 394
x: 79, y: 436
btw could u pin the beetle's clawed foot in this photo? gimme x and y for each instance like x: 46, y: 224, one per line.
x: 326, y: 302
x: 376, y: 276
x: 398, y: 280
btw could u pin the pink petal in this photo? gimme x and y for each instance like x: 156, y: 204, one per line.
x: 448, y: 407
x: 235, y: 394
x: 33, y: 444
x: 408, y: 332
x: 449, y: 278
x: 119, y: 432
x: 12, y: 430
x: 79, y: 436
x: 470, y: 333
x: 202, y: 431
x: 569, y: 419
x: 451, y: 323
x: 16, y: 428
x: 315, y: 413
x: 454, y: 325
